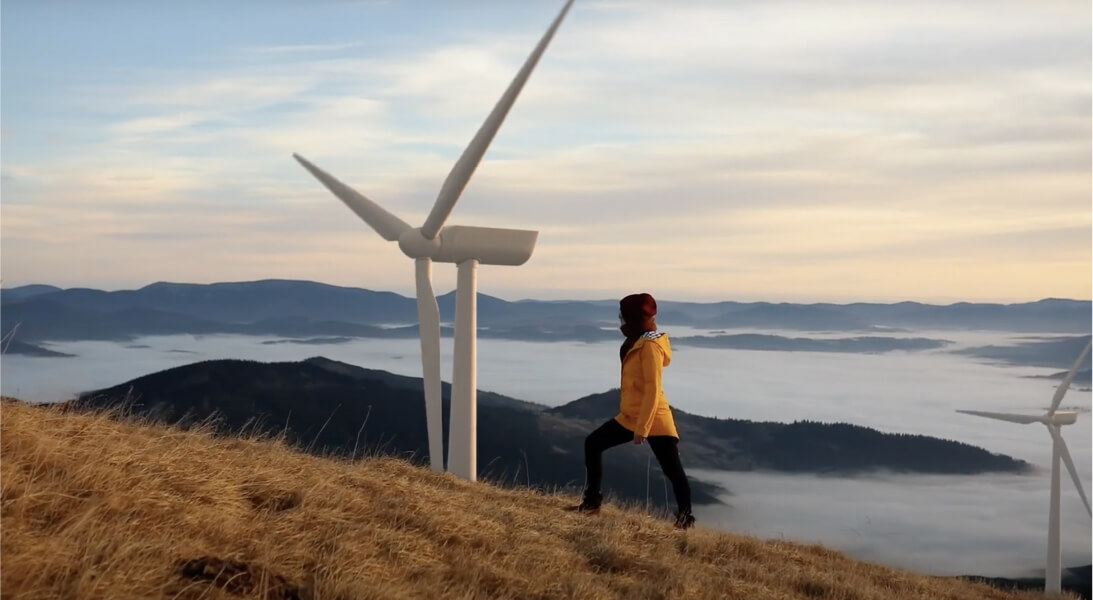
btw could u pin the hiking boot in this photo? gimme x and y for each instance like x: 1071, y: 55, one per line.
x: 585, y: 507
x: 684, y: 519
x: 589, y: 504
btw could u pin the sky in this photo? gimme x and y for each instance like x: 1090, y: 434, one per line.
x: 749, y: 150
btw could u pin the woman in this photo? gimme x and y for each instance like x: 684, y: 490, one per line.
x: 644, y: 413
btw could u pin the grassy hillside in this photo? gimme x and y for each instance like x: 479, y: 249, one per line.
x: 99, y: 508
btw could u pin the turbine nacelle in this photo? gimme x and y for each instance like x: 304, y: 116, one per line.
x: 460, y: 243
x: 487, y: 245
x: 1063, y: 417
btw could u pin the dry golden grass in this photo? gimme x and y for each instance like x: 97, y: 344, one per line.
x: 94, y: 507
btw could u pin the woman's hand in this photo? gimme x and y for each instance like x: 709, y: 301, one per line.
x: 638, y: 439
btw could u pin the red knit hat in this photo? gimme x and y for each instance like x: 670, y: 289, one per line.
x: 635, y: 308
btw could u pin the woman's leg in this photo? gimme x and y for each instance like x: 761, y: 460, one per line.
x: 666, y: 449
x: 608, y: 435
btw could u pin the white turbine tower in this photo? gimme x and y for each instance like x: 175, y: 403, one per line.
x: 465, y: 246
x: 1053, y: 419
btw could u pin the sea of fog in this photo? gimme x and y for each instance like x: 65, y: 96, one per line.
x: 988, y: 524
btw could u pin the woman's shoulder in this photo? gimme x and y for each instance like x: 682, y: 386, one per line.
x: 653, y: 341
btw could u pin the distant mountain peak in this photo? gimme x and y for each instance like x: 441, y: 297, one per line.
x: 23, y: 292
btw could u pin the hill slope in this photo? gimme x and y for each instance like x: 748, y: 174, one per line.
x: 334, y: 407
x: 97, y: 508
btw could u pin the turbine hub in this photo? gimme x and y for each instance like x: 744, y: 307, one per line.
x: 416, y: 245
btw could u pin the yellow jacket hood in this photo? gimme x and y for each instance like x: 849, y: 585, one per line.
x: 661, y: 340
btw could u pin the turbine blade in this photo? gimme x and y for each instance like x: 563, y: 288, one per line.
x: 1065, y: 453
x: 428, y: 319
x: 386, y: 224
x: 1065, y: 385
x: 1012, y: 418
x: 464, y: 167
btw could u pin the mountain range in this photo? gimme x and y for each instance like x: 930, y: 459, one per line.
x: 302, y: 310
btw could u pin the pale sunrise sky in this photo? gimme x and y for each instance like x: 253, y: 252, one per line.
x: 698, y: 150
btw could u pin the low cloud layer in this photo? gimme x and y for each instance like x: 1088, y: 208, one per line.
x: 954, y: 525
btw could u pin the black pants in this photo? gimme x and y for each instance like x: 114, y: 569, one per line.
x: 665, y: 448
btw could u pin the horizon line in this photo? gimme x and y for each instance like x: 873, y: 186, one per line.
x: 664, y: 298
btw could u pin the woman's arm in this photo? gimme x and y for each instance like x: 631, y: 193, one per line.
x: 651, y: 364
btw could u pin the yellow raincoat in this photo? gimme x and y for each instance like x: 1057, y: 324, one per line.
x: 643, y: 408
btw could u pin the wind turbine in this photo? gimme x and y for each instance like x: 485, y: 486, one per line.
x: 465, y: 246
x: 1053, y: 419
